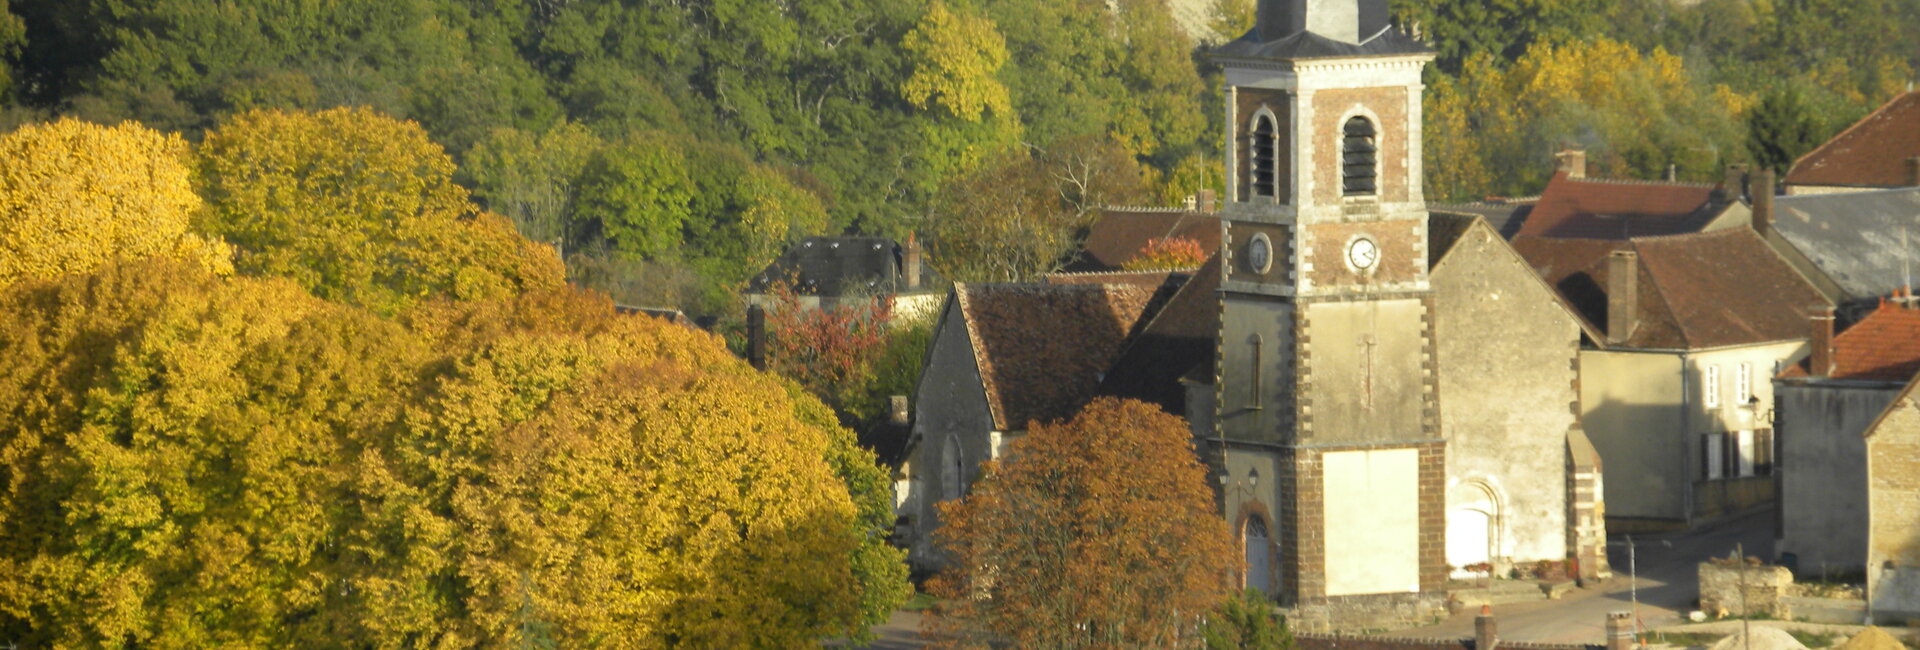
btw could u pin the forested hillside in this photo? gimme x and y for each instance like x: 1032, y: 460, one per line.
x: 670, y: 148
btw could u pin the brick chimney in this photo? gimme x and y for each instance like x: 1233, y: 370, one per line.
x: 1486, y: 634
x: 1762, y: 199
x: 1623, y: 296
x: 1820, y: 343
x: 1208, y: 202
x: 757, y: 336
x: 911, y: 260
x: 1734, y: 187
x: 1573, y: 162
x: 1620, y: 631
x: 1913, y: 171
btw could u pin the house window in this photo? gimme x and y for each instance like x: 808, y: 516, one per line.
x: 1713, y: 456
x: 1743, y: 384
x: 1265, y: 162
x: 1357, y: 158
x: 1710, y: 387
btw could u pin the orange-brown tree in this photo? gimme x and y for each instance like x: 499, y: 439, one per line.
x: 1095, y: 532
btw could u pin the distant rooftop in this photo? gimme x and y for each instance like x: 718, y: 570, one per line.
x: 1871, y: 153
x: 1590, y: 208
x: 840, y: 266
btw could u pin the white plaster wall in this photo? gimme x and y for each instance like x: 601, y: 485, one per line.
x: 1372, y: 521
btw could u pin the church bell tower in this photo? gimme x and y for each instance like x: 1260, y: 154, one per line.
x: 1325, y: 408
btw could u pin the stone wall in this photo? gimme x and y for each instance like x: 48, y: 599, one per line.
x: 1733, y: 588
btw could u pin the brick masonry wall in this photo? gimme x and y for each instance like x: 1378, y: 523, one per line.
x: 1331, y: 109
x: 1402, y: 256
x: 1247, y: 103
x: 1303, y: 544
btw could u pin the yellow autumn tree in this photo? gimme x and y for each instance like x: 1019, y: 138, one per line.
x: 74, y: 195
x: 1493, y: 129
x: 360, y: 208
x: 249, y: 466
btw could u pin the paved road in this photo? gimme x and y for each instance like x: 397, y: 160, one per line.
x: 1668, y: 586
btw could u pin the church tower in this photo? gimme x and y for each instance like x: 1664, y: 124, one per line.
x: 1325, y: 408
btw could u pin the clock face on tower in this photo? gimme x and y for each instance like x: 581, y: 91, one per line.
x: 1260, y: 253
x: 1363, y: 253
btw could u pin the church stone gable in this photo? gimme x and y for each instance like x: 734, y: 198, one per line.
x: 1248, y: 102
x: 1387, y: 108
x: 1256, y: 392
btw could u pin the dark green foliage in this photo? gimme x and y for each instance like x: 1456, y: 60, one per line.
x: 1780, y: 130
x: 1247, y: 622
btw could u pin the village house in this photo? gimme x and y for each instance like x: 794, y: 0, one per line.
x: 824, y: 271
x: 1332, y: 357
x: 1880, y: 151
x: 1893, y: 510
x: 1673, y: 389
x: 1827, y: 402
x: 1118, y: 235
x: 1856, y: 247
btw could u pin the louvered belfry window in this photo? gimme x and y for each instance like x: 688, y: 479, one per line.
x: 1262, y: 148
x: 1358, y: 157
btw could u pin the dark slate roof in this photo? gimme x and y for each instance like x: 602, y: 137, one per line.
x: 1884, y: 346
x: 1041, y: 348
x: 1585, y: 208
x: 1308, y: 45
x: 1443, y: 230
x: 1118, y: 234
x: 1505, y: 216
x: 836, y: 266
x: 1178, y: 342
x: 1696, y: 291
x: 1871, y: 153
x: 1855, y: 238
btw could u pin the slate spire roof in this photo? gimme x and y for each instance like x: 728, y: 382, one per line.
x: 1310, y: 29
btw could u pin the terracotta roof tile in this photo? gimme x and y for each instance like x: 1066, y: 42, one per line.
x: 1873, y: 152
x: 1119, y: 234
x: 1179, y: 341
x: 1884, y: 346
x: 1582, y: 208
x: 1042, y: 348
x: 1696, y: 291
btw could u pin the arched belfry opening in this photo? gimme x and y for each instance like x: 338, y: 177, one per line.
x: 1264, y: 150
x: 1359, y: 159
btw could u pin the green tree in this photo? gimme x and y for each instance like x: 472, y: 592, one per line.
x: 1506, y: 29
x: 360, y: 208
x: 638, y: 194
x: 1247, y: 622
x: 1780, y: 130
x: 1020, y: 215
x: 74, y: 196
x: 1110, y: 508
x: 957, y: 56
x: 533, y: 179
x: 13, y: 38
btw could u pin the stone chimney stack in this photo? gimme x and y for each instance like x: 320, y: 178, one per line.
x: 757, y: 336
x: 911, y: 260
x: 1486, y: 634
x: 1623, y: 296
x: 1208, y: 202
x: 1573, y: 162
x: 1762, y: 200
x: 1820, y: 343
x: 1734, y: 187
x: 1913, y: 171
x: 1620, y: 631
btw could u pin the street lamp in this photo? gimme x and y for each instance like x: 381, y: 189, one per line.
x: 1633, y: 580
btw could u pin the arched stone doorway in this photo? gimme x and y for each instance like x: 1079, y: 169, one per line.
x: 1258, y: 545
x: 1473, y: 527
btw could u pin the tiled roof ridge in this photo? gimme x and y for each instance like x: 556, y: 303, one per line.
x: 1487, y: 203
x: 1913, y: 95
x: 1641, y: 181
x: 1703, y: 234
x: 1088, y: 274
x: 1434, y: 640
x: 981, y: 365
x: 1149, y: 209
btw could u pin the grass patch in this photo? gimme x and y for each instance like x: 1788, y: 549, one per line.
x: 920, y: 602
x: 1817, y: 639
